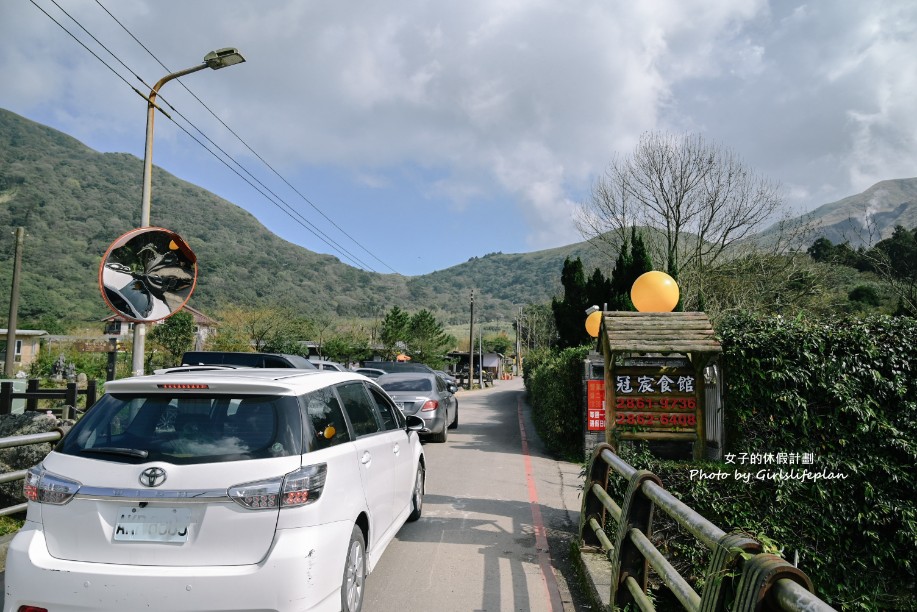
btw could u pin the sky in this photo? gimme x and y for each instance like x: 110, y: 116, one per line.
x: 408, y: 136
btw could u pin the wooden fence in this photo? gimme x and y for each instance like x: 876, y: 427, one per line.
x: 69, y: 396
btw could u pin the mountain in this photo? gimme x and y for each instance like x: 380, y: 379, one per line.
x: 74, y: 202
x: 869, y: 216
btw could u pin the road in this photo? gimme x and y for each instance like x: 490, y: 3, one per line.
x: 497, y: 523
x: 499, y: 515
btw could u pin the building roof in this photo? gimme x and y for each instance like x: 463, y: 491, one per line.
x: 24, y: 332
x: 658, y: 332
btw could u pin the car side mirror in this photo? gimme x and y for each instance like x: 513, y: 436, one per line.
x: 452, y: 388
x: 415, y: 423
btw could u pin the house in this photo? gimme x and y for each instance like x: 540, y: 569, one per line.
x: 116, y: 325
x: 493, y: 362
x: 27, y: 346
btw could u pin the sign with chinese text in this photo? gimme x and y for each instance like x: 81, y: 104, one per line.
x: 595, y: 405
x: 655, y: 399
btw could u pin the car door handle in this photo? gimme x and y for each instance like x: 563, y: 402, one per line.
x: 396, y: 448
x: 366, y: 458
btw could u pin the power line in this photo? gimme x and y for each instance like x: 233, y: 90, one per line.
x: 244, y: 143
x: 93, y: 53
x: 282, y: 205
x: 314, y: 230
x: 290, y: 213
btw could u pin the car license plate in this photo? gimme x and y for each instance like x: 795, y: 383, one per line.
x: 400, y: 405
x: 136, y: 524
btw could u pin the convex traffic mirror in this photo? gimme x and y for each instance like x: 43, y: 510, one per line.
x: 147, y: 274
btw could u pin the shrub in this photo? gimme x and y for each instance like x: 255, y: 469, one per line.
x: 844, y: 390
x: 555, y: 386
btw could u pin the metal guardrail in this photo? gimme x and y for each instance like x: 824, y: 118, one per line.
x: 740, y: 577
x: 25, y: 440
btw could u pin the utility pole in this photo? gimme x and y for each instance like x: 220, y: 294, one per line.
x: 518, y: 371
x: 471, y: 344
x: 14, y: 306
x: 481, y: 355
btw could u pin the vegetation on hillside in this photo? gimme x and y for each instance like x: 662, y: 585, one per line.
x: 73, y: 202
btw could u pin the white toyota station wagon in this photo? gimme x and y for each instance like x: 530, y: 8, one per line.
x: 246, y: 489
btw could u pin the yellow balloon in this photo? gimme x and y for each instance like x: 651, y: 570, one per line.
x: 654, y: 292
x: 593, y: 323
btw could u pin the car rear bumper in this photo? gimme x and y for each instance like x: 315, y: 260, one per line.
x: 301, y: 572
x: 435, y: 421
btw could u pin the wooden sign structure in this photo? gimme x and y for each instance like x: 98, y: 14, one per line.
x: 654, y: 375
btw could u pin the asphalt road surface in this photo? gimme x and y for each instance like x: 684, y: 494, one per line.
x: 498, y: 518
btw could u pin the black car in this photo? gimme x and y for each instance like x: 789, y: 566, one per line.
x: 247, y: 360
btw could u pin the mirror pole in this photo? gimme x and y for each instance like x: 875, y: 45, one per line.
x: 137, y: 368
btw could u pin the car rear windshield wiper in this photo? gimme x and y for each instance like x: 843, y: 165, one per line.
x: 114, y: 450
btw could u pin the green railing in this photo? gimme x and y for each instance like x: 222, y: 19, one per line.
x: 25, y: 440
x: 739, y: 577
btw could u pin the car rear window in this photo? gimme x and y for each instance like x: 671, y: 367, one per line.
x: 418, y: 384
x: 187, y: 429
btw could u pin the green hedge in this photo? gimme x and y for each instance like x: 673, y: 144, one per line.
x: 843, y: 392
x: 554, y: 381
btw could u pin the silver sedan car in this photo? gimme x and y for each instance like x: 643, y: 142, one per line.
x: 425, y: 395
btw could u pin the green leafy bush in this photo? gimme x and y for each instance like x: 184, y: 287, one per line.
x: 844, y: 390
x: 555, y: 385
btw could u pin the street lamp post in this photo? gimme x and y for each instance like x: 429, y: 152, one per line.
x: 214, y: 60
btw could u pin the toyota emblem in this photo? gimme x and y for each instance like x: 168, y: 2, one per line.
x: 152, y: 477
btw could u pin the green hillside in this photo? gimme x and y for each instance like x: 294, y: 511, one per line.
x: 74, y: 202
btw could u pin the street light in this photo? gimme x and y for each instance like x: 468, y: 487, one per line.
x: 221, y: 58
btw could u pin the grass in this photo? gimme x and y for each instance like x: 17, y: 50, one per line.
x: 10, y: 524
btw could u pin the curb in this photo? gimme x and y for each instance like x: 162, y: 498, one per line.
x: 595, y: 575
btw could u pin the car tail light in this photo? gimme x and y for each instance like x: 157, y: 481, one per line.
x: 47, y: 488
x: 183, y: 386
x: 32, y: 609
x: 298, y: 488
x: 429, y: 405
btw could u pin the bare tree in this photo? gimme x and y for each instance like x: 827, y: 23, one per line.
x: 536, y: 327
x: 698, y: 199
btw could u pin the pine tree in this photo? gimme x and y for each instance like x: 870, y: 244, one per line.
x: 619, y: 295
x: 395, y: 329
x: 640, y: 257
x: 428, y: 340
x: 598, y: 290
x: 570, y: 312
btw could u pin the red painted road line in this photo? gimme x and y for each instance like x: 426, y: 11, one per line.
x: 541, y: 539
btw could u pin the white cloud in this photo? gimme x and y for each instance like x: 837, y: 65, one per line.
x: 513, y: 100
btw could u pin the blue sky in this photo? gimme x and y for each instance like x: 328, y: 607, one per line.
x: 434, y: 132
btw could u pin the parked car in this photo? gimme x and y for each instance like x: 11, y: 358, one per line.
x: 399, y: 366
x: 321, y: 364
x: 249, y: 360
x: 248, y: 489
x: 447, y: 377
x: 427, y: 396
x: 371, y: 372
